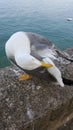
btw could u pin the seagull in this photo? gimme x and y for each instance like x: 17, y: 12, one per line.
x: 30, y: 51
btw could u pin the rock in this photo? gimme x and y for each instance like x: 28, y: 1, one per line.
x: 36, y: 104
x: 67, y: 126
x: 66, y: 67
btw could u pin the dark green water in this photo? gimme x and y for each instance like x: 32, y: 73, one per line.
x: 46, y: 17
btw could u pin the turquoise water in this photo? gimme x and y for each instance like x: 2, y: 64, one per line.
x: 46, y: 17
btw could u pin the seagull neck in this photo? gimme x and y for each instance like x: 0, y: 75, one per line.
x: 21, y: 54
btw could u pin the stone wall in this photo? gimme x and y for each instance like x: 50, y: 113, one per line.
x: 36, y: 104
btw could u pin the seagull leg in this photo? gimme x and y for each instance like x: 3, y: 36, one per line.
x: 24, y: 77
x: 43, y: 64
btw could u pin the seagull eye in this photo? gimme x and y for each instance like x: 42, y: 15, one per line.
x: 33, y: 59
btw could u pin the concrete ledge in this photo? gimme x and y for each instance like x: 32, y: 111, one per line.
x: 35, y: 104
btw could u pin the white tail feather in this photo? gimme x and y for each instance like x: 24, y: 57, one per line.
x: 54, y: 71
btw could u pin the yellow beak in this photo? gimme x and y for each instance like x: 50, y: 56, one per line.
x: 43, y: 64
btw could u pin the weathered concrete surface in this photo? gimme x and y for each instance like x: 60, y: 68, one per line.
x: 35, y: 104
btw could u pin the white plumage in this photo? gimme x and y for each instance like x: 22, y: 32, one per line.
x: 27, y: 50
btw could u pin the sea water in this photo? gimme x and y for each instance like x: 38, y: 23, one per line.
x: 45, y: 17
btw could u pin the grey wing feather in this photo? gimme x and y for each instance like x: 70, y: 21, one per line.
x: 41, y: 47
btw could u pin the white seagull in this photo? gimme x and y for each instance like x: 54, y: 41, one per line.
x: 30, y: 51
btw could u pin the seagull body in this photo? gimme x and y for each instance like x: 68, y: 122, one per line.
x: 30, y: 51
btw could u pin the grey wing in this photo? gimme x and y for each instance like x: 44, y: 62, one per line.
x: 41, y: 47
